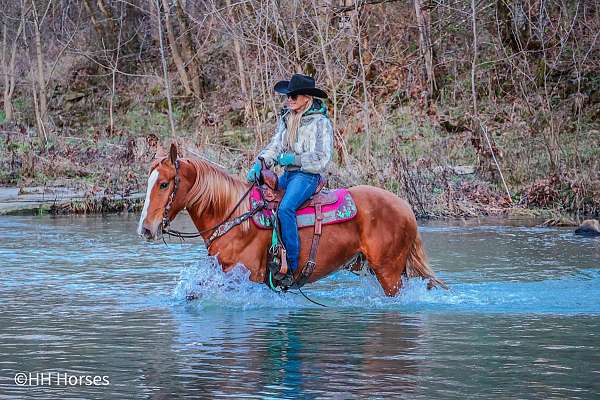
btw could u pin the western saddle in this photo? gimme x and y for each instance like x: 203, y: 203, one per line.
x: 272, y: 196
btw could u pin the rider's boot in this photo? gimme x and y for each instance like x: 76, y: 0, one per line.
x: 292, y: 264
x: 288, y: 279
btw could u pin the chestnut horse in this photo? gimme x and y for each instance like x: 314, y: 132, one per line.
x: 384, y: 229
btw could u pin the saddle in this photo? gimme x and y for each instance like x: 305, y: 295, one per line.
x: 272, y: 196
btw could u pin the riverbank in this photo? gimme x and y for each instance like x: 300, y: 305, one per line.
x: 63, y: 201
x: 60, y: 200
x: 99, y: 172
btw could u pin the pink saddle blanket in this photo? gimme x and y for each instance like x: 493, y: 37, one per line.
x: 344, y: 209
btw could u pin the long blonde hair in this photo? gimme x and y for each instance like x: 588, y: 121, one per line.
x: 293, y: 123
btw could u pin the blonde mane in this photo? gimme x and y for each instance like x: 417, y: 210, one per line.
x: 216, y: 190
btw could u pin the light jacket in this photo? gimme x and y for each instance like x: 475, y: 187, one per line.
x: 314, y: 141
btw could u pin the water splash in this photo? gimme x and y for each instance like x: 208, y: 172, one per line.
x: 571, y: 294
x: 206, y: 282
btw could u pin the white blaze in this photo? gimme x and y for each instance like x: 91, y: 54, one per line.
x: 151, y: 182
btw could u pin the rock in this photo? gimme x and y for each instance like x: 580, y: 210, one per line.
x: 463, y: 169
x: 73, y: 96
x: 589, y: 227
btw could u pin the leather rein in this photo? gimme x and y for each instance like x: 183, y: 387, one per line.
x: 219, y: 229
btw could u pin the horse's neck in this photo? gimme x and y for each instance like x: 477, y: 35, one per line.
x: 207, y: 207
x: 195, y: 191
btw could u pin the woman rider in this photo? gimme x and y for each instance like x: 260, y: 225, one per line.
x: 302, y: 144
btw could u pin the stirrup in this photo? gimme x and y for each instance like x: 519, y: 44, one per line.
x: 309, y: 268
x: 287, y: 280
x: 305, y: 274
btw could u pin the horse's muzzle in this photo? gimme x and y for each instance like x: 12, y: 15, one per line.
x: 149, y: 233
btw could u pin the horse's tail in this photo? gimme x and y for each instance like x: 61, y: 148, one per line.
x: 416, y: 265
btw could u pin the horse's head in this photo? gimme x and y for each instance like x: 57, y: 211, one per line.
x: 161, y: 203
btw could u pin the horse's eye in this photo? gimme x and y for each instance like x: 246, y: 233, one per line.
x: 164, y: 185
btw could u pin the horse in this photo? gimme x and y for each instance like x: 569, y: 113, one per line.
x: 384, y: 230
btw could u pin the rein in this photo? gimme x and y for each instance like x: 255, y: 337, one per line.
x: 219, y: 229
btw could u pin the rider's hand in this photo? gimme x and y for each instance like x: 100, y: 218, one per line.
x: 254, y: 172
x: 286, y: 159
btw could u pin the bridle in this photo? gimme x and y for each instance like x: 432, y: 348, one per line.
x: 164, y: 226
x: 218, y: 229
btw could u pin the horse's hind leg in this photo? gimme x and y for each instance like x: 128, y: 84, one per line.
x: 388, y: 229
x: 389, y: 270
x: 387, y: 253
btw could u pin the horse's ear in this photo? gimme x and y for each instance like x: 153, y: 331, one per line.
x: 160, y: 152
x: 173, y: 153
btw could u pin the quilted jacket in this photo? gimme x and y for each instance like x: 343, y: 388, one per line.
x: 314, y: 142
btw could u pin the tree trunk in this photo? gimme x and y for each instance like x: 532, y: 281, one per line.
x: 7, y: 72
x: 240, y: 63
x: 425, y: 45
x: 189, y: 51
x: 92, y: 14
x: 115, y: 67
x: 323, y: 33
x: 164, y: 68
x: 41, y: 81
x: 36, y: 106
x: 9, y: 89
x: 179, y: 64
x: 110, y: 21
x: 296, y: 39
x: 364, y: 58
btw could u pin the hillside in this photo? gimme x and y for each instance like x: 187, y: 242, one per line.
x: 462, y: 108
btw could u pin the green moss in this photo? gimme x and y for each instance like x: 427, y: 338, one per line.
x: 140, y: 121
x: 19, y: 104
x: 43, y: 210
x: 156, y: 90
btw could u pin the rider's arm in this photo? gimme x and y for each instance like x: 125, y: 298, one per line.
x: 316, y: 161
x: 272, y: 150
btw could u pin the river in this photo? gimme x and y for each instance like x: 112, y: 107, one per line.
x: 84, y: 296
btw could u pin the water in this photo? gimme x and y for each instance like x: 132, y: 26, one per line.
x: 84, y: 296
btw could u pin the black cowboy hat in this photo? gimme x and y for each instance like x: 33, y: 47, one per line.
x: 299, y: 84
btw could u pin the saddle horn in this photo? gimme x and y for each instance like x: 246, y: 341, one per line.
x: 267, y: 176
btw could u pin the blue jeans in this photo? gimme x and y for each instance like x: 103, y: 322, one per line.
x: 299, y: 186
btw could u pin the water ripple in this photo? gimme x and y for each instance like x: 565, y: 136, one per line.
x: 86, y: 296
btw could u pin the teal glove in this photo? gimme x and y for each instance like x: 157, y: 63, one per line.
x: 286, y: 159
x: 254, y: 172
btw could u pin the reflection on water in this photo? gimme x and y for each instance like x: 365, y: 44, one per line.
x: 288, y: 353
x: 85, y: 296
